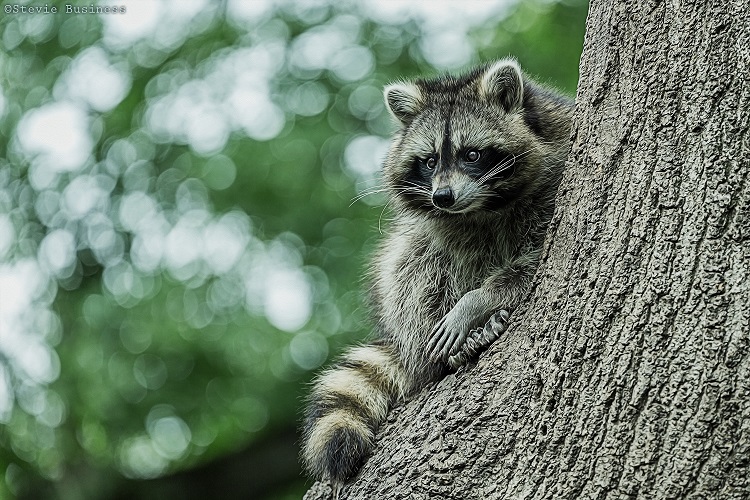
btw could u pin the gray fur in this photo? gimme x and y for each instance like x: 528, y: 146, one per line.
x: 441, y: 273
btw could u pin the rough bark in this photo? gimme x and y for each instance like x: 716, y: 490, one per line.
x: 626, y: 374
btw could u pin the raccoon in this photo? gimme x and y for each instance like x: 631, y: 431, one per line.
x: 472, y: 175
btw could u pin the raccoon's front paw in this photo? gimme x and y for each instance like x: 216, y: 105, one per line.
x: 449, y: 334
x: 479, y: 339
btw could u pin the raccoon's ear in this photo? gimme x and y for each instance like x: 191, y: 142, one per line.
x: 502, y: 82
x: 404, y: 101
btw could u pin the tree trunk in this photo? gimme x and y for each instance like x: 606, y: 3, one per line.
x: 626, y: 374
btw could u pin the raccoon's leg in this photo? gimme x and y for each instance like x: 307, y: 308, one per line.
x: 347, y: 404
x: 503, y: 290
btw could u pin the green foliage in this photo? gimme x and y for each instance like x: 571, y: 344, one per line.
x: 179, y: 249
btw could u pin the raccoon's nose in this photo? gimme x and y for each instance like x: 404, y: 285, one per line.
x: 443, y: 197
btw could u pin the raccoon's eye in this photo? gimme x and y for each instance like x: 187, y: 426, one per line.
x: 431, y: 162
x: 472, y: 155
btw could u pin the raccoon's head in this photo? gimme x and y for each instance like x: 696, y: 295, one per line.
x: 467, y: 144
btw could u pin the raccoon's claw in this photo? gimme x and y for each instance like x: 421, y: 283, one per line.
x: 445, y: 338
x: 479, y: 339
x: 449, y: 334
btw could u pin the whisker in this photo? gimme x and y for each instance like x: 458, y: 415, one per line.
x: 409, y: 187
x: 503, y: 165
x: 380, y: 218
x: 367, y: 193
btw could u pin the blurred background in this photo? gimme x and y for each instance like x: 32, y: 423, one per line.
x: 181, y: 234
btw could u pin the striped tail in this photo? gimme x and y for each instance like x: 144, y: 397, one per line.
x: 347, y: 405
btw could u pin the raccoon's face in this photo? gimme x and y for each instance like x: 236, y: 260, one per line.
x: 464, y: 146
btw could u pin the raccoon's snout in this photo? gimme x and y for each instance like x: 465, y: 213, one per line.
x: 443, y: 197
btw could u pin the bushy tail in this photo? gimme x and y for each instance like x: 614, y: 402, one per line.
x: 347, y: 404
